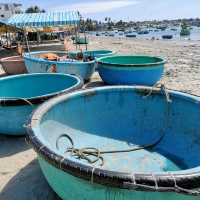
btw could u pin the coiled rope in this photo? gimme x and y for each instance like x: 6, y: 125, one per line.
x: 160, y: 85
x: 87, y: 152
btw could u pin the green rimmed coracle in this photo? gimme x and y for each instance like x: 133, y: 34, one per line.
x: 93, y: 53
x: 131, y: 70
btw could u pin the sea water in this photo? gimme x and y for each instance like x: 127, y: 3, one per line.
x: 195, y: 34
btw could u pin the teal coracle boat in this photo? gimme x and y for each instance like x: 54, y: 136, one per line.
x: 119, y: 142
x: 35, y: 64
x: 93, y: 53
x: 21, y: 94
x: 131, y: 70
x: 79, y: 40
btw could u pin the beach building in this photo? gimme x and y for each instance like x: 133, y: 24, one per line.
x: 9, y: 9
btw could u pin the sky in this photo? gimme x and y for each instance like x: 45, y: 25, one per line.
x: 136, y: 10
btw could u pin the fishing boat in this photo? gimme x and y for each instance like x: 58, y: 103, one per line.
x: 106, y: 33
x: 167, y: 37
x: 143, y: 32
x: 111, y: 34
x: 93, y: 54
x: 80, y: 40
x: 173, y: 29
x: 185, y: 30
x: 13, y: 65
x: 131, y: 70
x: 162, y: 28
x: 133, y: 142
x: 21, y: 94
x: 131, y: 35
x: 36, y: 63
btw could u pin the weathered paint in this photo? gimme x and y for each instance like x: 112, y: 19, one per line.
x: 70, y: 187
x: 119, y: 118
x: 39, y: 65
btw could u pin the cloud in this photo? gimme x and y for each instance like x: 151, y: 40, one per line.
x: 97, y: 6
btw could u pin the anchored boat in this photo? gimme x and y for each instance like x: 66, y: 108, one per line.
x: 126, y: 70
x: 133, y: 142
x: 21, y: 94
x: 143, y: 32
x: 167, y: 37
x: 35, y: 63
x: 185, y: 30
x: 131, y: 35
x: 98, y: 53
x: 13, y: 65
x: 93, y: 53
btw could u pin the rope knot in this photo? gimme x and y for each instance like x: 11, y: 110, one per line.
x: 92, y: 155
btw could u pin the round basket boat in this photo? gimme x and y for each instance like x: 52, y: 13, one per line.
x: 13, y: 65
x: 130, y: 70
x: 120, y: 142
x: 93, y: 53
x: 20, y: 94
x: 35, y: 64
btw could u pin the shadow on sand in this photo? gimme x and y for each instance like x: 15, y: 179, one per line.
x: 28, y: 184
x: 11, y: 145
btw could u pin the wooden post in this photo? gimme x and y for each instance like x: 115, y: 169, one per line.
x: 27, y: 44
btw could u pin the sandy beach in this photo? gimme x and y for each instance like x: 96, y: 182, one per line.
x: 182, y: 70
x: 20, y: 175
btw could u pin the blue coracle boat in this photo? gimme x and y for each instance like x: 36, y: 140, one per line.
x: 133, y: 142
x: 21, y: 94
x: 93, y: 53
x: 131, y: 70
x: 35, y: 64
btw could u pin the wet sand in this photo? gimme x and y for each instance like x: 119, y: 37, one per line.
x: 20, y: 175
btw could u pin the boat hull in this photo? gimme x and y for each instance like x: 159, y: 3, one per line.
x: 38, y: 65
x: 15, y: 111
x: 70, y: 187
x: 13, y: 65
x: 167, y: 37
x: 94, y: 53
x: 120, y: 122
x: 115, y: 74
x: 14, y: 118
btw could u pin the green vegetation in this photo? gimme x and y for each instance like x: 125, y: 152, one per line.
x: 109, y: 24
x: 34, y: 9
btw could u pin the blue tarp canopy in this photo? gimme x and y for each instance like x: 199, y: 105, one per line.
x: 45, y: 19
